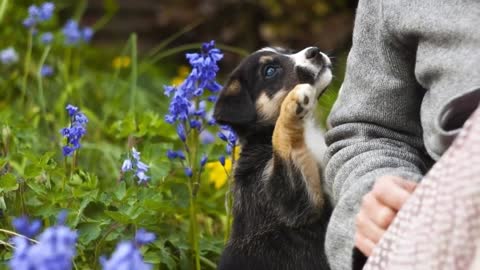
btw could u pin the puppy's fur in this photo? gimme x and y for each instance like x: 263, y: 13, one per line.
x: 280, y: 212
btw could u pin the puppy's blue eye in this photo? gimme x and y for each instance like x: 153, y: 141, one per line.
x: 269, y: 72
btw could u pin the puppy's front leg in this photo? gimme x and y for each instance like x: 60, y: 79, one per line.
x: 289, y: 143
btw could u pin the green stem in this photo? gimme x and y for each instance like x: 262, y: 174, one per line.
x: 68, y: 59
x: 40, y: 81
x: 209, y: 263
x: 134, y: 73
x: 193, y: 226
x: 229, y: 199
x: 193, y: 143
x: 3, y: 8
x: 173, y: 37
x: 193, y: 46
x: 27, y: 64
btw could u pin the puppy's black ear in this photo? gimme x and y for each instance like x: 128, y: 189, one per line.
x: 234, y: 105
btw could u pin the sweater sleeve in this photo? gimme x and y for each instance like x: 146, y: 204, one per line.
x: 375, y: 124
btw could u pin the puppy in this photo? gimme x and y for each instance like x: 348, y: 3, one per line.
x: 280, y: 212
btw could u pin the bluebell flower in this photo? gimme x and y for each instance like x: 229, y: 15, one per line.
x: 142, y: 237
x: 142, y: 177
x: 206, y: 137
x: 47, y: 71
x: 45, y: 11
x: 55, y: 250
x: 202, y: 77
x: 171, y: 154
x: 76, y: 130
x: 127, y: 165
x: 87, y: 34
x: 181, y: 132
x: 195, y: 124
x: 71, y: 32
x: 127, y: 255
x: 72, y: 110
x: 8, y: 56
x: 188, y: 171
x: 135, y: 154
x: 25, y: 227
x: 38, y: 14
x: 29, y: 22
x: 221, y: 159
x: 181, y: 155
x: 137, y: 165
x: 46, y: 38
x: 203, y: 160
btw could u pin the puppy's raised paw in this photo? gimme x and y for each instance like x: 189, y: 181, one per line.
x: 300, y: 102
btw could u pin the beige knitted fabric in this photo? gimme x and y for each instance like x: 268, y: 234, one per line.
x: 439, y: 226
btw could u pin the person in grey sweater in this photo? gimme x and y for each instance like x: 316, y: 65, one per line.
x: 412, y: 78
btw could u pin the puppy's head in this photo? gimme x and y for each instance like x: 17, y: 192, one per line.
x: 255, y: 90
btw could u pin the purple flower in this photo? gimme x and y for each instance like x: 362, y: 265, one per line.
x: 8, y: 56
x: 181, y: 132
x: 71, y: 32
x: 127, y: 165
x: 74, y: 35
x: 203, y: 160
x: 206, y: 137
x: 137, y: 165
x: 188, y: 171
x: 75, y: 131
x: 222, y: 160
x: 87, y: 34
x: 202, y: 77
x: 171, y: 154
x: 127, y: 255
x: 46, y: 38
x: 47, y: 71
x: 46, y: 11
x: 135, y: 154
x: 181, y: 155
x: 38, y: 14
x: 142, y: 237
x: 55, y: 249
x: 25, y: 227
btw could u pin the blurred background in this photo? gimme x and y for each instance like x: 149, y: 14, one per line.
x: 249, y: 25
x: 112, y: 59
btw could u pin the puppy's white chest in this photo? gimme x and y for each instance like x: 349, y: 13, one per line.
x: 314, y: 139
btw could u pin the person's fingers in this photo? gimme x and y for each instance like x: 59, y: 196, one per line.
x: 405, y: 184
x: 390, y: 193
x: 377, y: 212
x: 364, y: 244
x: 366, y: 227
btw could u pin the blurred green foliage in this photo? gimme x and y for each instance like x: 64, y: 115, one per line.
x: 123, y: 98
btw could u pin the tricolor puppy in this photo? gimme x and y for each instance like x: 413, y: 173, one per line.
x: 280, y: 212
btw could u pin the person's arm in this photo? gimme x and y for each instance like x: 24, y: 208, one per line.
x: 375, y: 124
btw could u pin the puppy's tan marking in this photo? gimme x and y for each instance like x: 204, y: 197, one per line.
x: 269, y: 108
x: 289, y: 141
x: 233, y: 88
x: 265, y: 59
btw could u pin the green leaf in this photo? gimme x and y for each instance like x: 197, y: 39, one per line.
x: 120, y: 191
x: 8, y: 182
x: 88, y: 232
x: 117, y: 216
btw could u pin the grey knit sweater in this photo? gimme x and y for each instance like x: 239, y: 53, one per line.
x: 413, y: 76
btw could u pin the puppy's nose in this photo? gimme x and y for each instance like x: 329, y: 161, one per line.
x: 312, y: 52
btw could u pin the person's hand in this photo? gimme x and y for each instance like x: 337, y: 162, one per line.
x: 378, y: 209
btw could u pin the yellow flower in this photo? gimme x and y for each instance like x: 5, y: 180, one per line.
x: 182, y: 73
x: 217, y: 174
x: 121, y: 62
